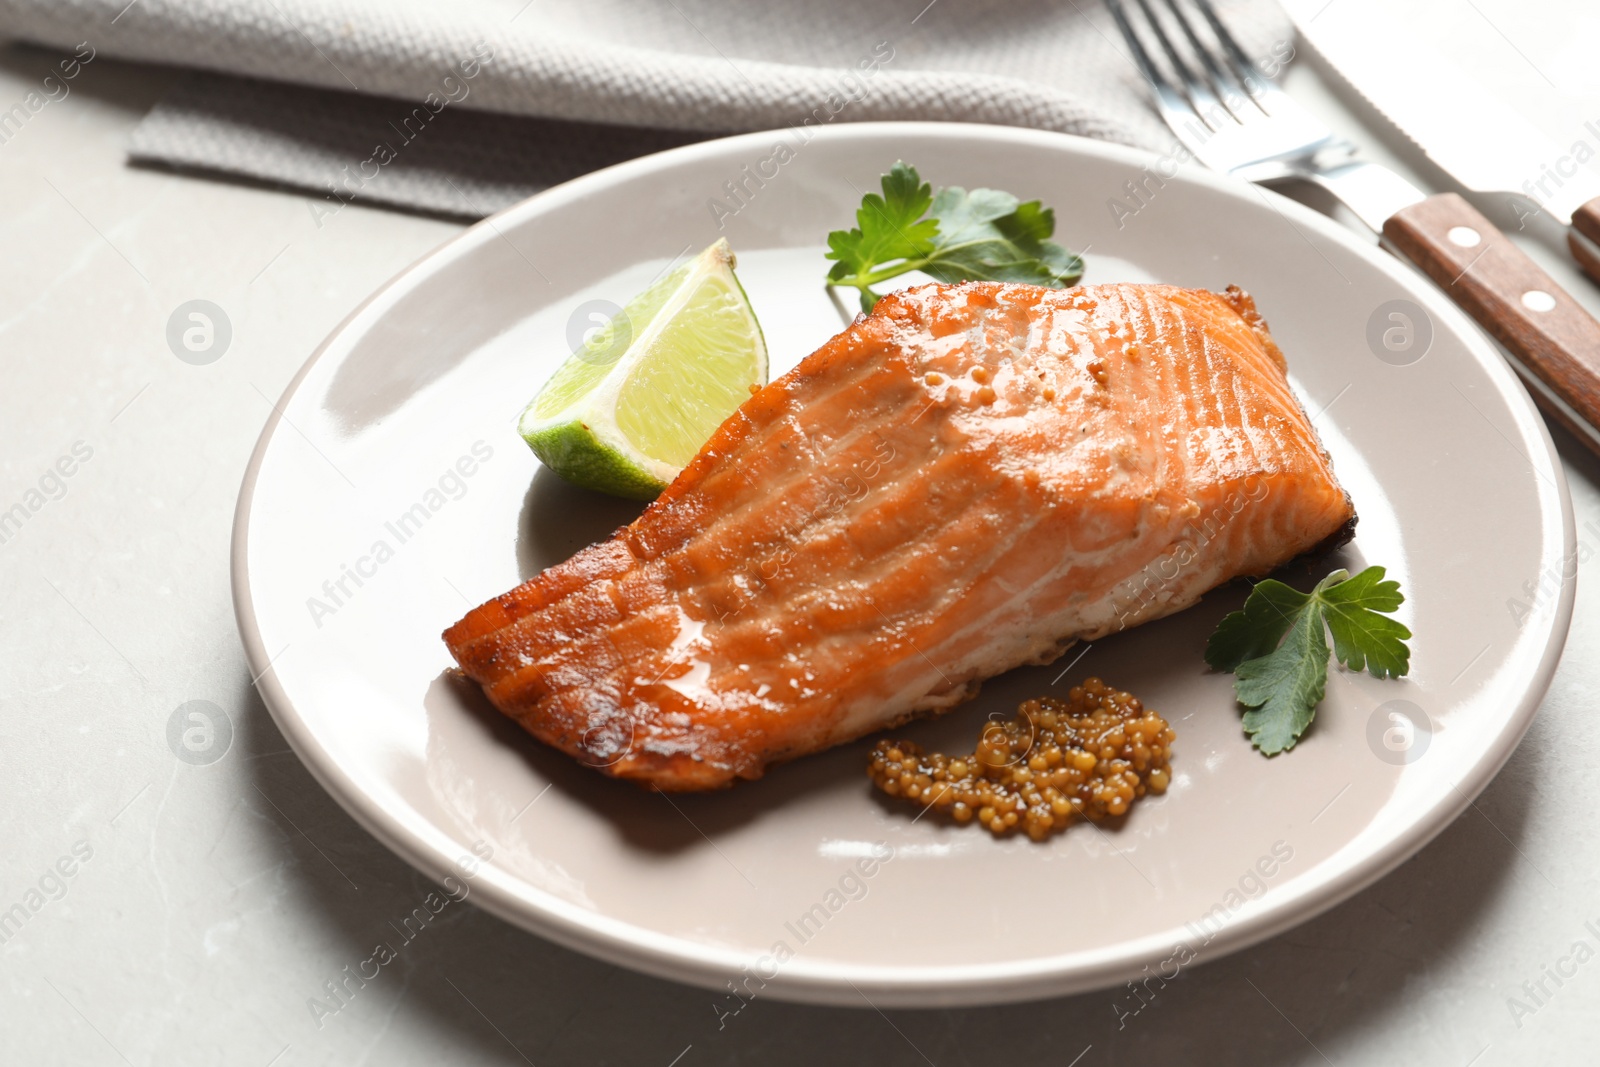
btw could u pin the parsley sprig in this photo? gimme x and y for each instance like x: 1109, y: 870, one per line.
x: 954, y: 236
x: 1278, y: 652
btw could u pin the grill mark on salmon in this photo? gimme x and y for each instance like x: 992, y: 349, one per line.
x: 875, y: 533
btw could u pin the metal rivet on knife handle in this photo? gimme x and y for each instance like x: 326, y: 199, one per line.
x: 1512, y: 298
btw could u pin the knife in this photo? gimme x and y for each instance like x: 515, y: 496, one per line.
x: 1468, y: 132
x: 1487, y: 147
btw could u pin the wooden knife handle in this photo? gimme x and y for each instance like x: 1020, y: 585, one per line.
x: 1510, y: 296
x: 1586, y: 224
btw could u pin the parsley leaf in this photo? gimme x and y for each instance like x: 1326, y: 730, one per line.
x: 1283, y: 688
x: 887, y: 226
x: 954, y: 236
x: 1256, y: 630
x: 1361, y: 637
x: 1281, y: 684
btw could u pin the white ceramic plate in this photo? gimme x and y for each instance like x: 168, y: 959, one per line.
x: 391, y: 493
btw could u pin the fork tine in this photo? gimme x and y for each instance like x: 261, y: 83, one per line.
x: 1141, y: 58
x: 1210, y: 90
x: 1223, y: 83
x: 1184, y: 106
x: 1255, y: 86
x: 1257, y: 133
x: 1201, y: 99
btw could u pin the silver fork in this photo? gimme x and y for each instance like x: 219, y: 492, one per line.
x: 1235, y: 120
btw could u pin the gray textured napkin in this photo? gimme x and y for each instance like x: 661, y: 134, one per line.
x: 463, y: 107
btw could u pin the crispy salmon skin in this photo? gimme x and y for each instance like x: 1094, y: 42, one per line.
x: 969, y: 479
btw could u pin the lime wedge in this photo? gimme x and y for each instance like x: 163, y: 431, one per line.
x: 633, y: 405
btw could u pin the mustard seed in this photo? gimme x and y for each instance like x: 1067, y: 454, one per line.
x: 1091, y: 756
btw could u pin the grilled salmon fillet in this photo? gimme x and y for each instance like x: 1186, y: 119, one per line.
x: 971, y: 478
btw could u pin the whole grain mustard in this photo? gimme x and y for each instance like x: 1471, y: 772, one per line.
x: 1090, y: 756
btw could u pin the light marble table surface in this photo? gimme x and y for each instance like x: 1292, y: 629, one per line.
x: 186, y: 913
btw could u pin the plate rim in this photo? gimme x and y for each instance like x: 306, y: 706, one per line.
x: 822, y: 982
